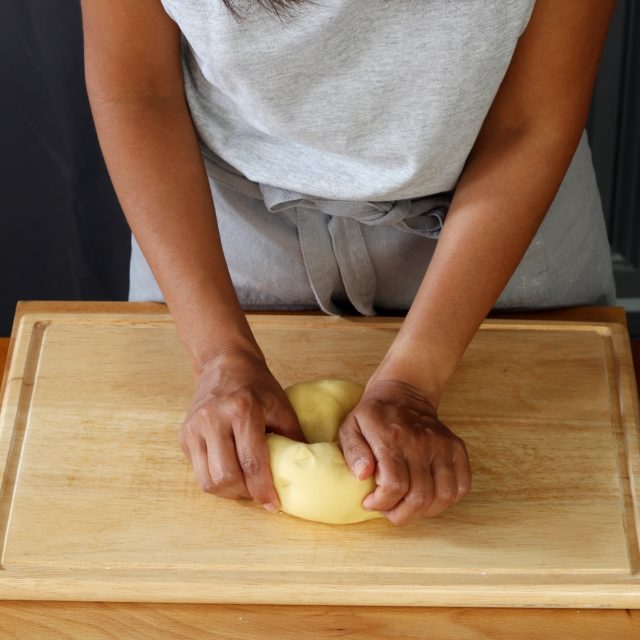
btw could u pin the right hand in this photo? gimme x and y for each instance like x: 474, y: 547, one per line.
x: 236, y: 401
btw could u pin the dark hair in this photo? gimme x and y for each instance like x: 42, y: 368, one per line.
x: 279, y: 8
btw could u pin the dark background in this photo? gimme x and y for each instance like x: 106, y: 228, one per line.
x: 62, y: 233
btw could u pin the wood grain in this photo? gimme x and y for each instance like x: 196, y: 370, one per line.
x: 99, y: 503
x: 70, y: 620
x: 117, y: 621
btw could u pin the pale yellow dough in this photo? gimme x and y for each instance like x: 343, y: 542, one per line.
x: 322, y: 405
x: 313, y: 480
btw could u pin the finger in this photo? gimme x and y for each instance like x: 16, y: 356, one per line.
x: 356, y: 451
x: 284, y: 421
x: 392, y: 478
x: 462, y: 469
x: 182, y: 441
x: 419, y: 497
x: 223, y: 466
x: 198, y: 457
x: 445, y: 487
x: 253, y: 455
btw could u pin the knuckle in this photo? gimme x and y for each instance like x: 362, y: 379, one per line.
x: 392, y: 436
x: 464, y: 486
x: 250, y: 465
x: 419, y: 499
x: 394, y: 487
x: 395, y: 430
x: 222, y: 479
x: 427, y: 432
x: 208, y: 486
x: 443, y: 454
x: 203, y: 414
x: 189, y: 430
x: 446, y: 494
x: 239, y: 404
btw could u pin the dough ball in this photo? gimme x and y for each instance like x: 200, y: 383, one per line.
x: 321, y: 406
x: 313, y: 480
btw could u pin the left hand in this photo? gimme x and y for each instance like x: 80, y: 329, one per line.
x: 420, y: 466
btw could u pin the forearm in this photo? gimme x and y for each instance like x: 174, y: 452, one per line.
x: 517, y: 163
x: 154, y: 161
x: 506, y: 189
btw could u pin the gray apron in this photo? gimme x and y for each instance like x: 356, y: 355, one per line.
x: 288, y: 250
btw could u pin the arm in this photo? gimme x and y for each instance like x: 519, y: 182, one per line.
x: 511, y: 177
x: 135, y: 86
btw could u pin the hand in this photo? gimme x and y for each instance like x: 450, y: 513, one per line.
x: 420, y: 466
x: 223, y: 436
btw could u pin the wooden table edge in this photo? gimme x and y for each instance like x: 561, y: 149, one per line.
x: 599, y: 314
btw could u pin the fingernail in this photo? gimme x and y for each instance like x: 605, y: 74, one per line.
x: 271, y: 506
x: 359, y: 466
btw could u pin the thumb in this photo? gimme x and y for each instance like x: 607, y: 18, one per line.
x: 357, y: 453
x: 284, y: 421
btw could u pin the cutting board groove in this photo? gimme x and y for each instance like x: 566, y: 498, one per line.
x: 624, y: 458
x: 97, y: 502
x: 14, y: 448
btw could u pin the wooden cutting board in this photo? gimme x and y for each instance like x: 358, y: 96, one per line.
x: 97, y: 502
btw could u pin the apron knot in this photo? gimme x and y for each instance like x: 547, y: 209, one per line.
x: 344, y: 245
x: 422, y: 216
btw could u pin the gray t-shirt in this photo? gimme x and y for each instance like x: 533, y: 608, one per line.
x: 351, y: 123
x: 349, y: 99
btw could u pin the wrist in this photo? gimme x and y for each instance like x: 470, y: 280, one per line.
x: 237, y: 341
x: 211, y: 329
x: 228, y: 353
x: 417, y: 366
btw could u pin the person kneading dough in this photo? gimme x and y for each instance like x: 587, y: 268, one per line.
x: 313, y: 480
x: 435, y: 165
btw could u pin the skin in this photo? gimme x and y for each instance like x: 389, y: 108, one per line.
x: 528, y: 138
x: 237, y: 400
